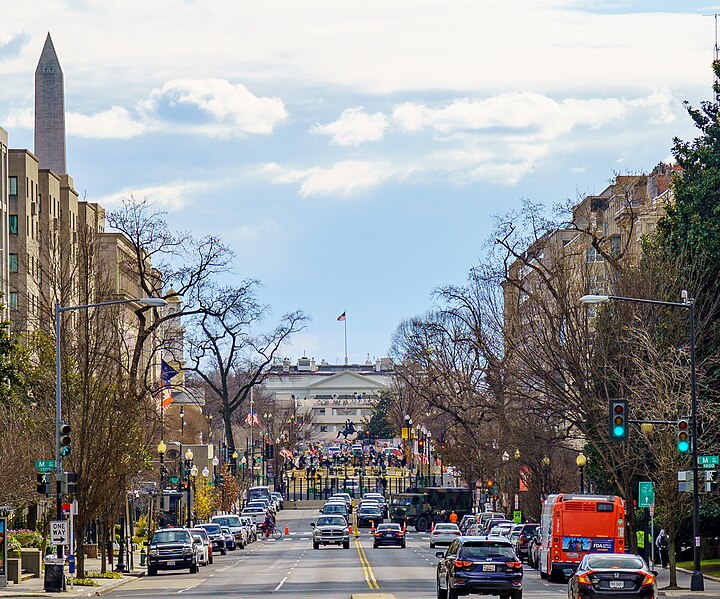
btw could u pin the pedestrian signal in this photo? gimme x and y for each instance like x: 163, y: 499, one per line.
x: 43, y: 484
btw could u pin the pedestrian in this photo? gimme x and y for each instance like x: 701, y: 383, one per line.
x: 640, y: 536
x: 662, y: 543
x: 453, y: 517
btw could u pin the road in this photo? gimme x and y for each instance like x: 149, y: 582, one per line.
x: 291, y: 568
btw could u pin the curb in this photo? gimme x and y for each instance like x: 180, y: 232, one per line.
x: 706, y: 576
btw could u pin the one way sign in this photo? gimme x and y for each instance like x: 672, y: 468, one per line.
x: 59, y: 532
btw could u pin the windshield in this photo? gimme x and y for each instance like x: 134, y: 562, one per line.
x: 402, y: 501
x: 446, y: 527
x: 598, y: 562
x: 485, y: 551
x: 227, y: 520
x: 334, y: 509
x: 369, y: 510
x: 201, y: 532
x: 171, y: 536
x: 211, y: 528
x: 389, y: 527
x: 330, y: 522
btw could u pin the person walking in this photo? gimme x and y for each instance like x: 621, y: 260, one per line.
x: 662, y: 543
x: 453, y: 517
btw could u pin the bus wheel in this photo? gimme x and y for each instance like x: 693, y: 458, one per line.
x: 543, y: 575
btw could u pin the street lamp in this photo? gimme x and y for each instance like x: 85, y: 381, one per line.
x: 161, y: 449
x: 581, y: 461
x: 697, y: 582
x: 146, y: 301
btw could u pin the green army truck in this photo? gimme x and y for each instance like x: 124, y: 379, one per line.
x: 426, y: 505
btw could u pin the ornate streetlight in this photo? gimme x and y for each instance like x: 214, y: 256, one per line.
x: 581, y: 461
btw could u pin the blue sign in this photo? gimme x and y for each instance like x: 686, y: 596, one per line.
x: 587, y: 545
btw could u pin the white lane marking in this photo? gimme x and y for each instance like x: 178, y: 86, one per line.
x: 282, y: 582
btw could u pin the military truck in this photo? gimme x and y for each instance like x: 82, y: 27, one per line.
x: 425, y: 505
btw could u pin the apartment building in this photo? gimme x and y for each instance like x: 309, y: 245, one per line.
x: 4, y: 223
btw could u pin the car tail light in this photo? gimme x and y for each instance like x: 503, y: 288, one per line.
x: 459, y: 563
x: 399, y: 534
x: 585, y: 578
x: 514, y: 565
x: 456, y: 532
x: 648, y: 580
x: 378, y: 534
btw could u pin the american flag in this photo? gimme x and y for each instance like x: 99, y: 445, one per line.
x: 287, y: 454
x: 252, y: 419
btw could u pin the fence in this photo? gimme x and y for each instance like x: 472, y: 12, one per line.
x: 324, y: 487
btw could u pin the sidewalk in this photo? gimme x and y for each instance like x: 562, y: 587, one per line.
x: 712, y: 587
x: 34, y: 586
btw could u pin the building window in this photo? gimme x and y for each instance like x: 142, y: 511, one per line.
x: 615, y: 245
x: 13, y: 263
x: 12, y: 186
x: 323, y: 429
x: 13, y: 224
x: 13, y: 300
x: 321, y: 411
x: 592, y: 255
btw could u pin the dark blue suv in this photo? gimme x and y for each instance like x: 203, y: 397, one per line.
x: 479, y: 565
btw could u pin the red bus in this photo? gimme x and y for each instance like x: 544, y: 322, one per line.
x: 574, y: 525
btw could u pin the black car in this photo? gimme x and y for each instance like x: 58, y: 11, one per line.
x: 522, y: 544
x: 171, y: 549
x: 612, y: 575
x: 389, y: 534
x: 217, y: 537
x: 485, y: 566
x: 366, y: 516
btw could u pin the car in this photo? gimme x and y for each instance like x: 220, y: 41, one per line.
x: 369, y: 516
x: 346, y: 497
x: 389, y: 534
x: 444, y: 534
x: 467, y: 521
x: 230, y: 544
x: 258, y: 493
x: 217, y: 538
x: 534, y: 547
x: 171, y: 549
x: 492, y: 523
x: 522, y: 544
x: 380, y: 498
x: 256, y: 513
x: 205, y: 552
x: 330, y: 529
x: 482, y: 565
x: 485, y: 516
x: 279, y: 499
x: 248, y: 526
x: 501, y: 530
x: 338, y: 509
x: 369, y: 503
x: 515, y: 534
x: 612, y: 575
x: 232, y: 521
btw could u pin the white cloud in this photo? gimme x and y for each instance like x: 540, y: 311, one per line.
x: 171, y: 196
x: 115, y: 122
x: 341, y: 179
x: 22, y: 119
x: 230, y: 110
x: 354, y: 127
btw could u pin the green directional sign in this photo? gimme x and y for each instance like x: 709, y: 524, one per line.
x: 646, y: 494
x: 708, y: 461
x: 517, y: 516
x: 174, y: 480
x: 45, y: 466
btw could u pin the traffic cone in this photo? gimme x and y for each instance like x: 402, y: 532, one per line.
x: 350, y: 529
x: 404, y: 526
x: 372, y: 527
x: 287, y: 530
x: 432, y: 527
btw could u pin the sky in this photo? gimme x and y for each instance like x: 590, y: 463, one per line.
x: 355, y: 155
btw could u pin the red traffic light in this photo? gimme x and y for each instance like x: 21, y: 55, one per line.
x: 683, y: 425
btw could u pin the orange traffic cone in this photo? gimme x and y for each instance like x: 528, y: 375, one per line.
x: 432, y: 527
x: 350, y: 529
x: 404, y: 526
x: 372, y: 527
x: 287, y: 530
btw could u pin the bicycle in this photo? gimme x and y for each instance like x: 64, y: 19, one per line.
x: 275, y: 533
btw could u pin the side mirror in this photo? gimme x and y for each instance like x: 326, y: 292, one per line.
x: 312, y: 524
x: 145, y: 543
x: 320, y: 510
x: 439, y: 554
x: 654, y: 572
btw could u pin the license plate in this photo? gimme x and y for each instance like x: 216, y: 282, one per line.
x: 488, y: 567
x: 171, y: 563
x: 617, y: 584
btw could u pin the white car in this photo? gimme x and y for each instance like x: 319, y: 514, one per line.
x: 502, y: 530
x: 202, y: 549
x: 256, y: 513
x: 444, y: 534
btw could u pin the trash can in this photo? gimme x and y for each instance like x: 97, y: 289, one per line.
x: 54, y: 574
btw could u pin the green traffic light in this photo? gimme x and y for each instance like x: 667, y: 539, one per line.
x: 619, y: 431
x: 683, y: 446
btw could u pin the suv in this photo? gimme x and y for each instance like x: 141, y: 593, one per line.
x: 232, y: 521
x: 171, y: 549
x: 477, y: 565
x: 330, y: 530
x: 524, y: 541
x: 217, y: 539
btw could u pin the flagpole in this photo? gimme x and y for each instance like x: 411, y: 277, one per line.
x: 345, y: 323
x: 252, y: 445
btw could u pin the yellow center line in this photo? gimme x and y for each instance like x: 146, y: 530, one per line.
x: 367, y: 568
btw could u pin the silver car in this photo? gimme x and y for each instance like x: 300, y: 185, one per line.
x: 444, y: 534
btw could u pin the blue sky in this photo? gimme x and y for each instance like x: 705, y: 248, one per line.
x: 355, y: 156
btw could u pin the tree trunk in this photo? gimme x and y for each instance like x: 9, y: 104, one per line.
x: 671, y: 553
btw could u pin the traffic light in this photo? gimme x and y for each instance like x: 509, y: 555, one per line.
x: 43, y: 484
x: 683, y: 435
x: 69, y: 483
x: 421, y: 445
x: 618, y: 420
x: 64, y: 431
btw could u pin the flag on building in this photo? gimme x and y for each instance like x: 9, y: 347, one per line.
x: 252, y: 419
x: 341, y: 317
x: 166, y: 373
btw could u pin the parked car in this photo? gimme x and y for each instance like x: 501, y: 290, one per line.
x: 389, y: 534
x: 612, y: 575
x: 171, y: 549
x: 205, y: 550
x: 534, y: 546
x: 477, y: 565
x: 230, y: 544
x: 330, y: 530
x: 522, y: 544
x: 256, y: 513
x: 279, y: 499
x: 232, y: 521
x: 444, y: 534
x: 217, y: 538
x: 248, y: 524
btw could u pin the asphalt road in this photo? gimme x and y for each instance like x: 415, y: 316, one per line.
x: 291, y: 568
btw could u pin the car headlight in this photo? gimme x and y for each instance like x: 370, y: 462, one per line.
x: 153, y: 552
x: 187, y: 550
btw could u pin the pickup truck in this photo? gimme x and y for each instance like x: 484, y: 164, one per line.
x: 330, y: 530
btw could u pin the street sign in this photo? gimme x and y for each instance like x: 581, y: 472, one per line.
x: 45, y: 466
x: 646, y: 494
x: 708, y: 461
x: 59, y: 532
x: 517, y: 516
x: 174, y: 480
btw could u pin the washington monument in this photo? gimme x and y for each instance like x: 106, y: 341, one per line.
x: 50, y: 111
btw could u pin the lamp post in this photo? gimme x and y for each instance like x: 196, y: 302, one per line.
x: 161, y: 449
x: 581, y: 461
x: 697, y: 582
x: 215, y: 463
x: 188, y: 471
x: 59, y: 309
